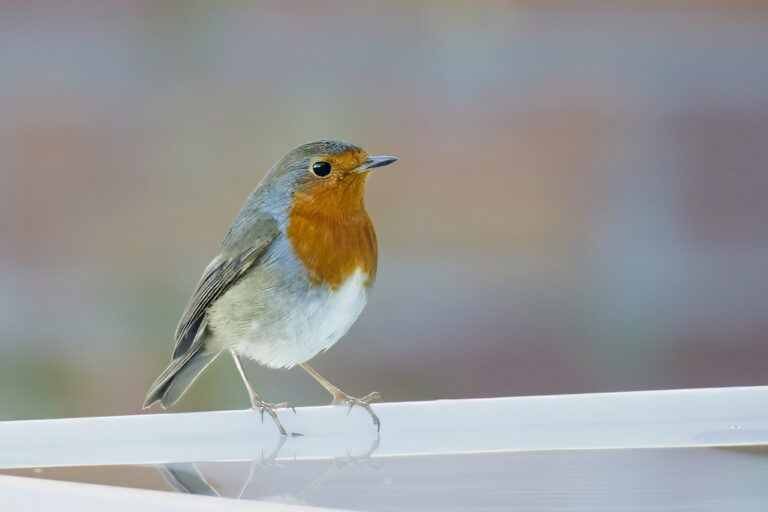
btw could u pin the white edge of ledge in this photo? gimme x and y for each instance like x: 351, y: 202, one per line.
x: 642, y: 419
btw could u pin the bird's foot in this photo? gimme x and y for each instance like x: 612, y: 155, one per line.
x: 265, y: 407
x: 365, y: 402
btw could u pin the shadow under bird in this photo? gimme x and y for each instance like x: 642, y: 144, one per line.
x: 292, y: 274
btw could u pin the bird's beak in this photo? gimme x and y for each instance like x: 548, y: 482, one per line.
x: 375, y: 161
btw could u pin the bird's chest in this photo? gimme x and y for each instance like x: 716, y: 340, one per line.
x: 295, y: 322
x: 307, y: 293
x: 332, y: 245
x: 328, y: 314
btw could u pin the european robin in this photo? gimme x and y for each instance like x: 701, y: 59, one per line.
x: 292, y: 274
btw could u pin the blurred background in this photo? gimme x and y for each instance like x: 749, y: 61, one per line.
x: 580, y: 203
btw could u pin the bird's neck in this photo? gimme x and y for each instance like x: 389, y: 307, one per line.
x: 332, y: 234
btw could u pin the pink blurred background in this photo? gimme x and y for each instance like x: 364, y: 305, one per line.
x: 580, y: 203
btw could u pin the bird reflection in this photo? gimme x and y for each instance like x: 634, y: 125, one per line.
x: 338, y: 464
x: 186, y: 477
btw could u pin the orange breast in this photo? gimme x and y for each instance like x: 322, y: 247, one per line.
x: 331, y: 233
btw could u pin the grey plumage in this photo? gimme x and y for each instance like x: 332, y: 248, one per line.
x: 183, y: 370
x: 223, y: 271
x: 190, y: 356
x: 179, y: 375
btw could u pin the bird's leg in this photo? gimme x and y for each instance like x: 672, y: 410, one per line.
x: 256, y: 401
x: 339, y: 397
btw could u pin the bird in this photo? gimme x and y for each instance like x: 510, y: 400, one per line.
x: 292, y: 275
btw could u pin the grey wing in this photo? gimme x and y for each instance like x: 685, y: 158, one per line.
x: 220, y: 274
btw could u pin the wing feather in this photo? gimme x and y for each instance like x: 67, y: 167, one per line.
x: 217, y: 278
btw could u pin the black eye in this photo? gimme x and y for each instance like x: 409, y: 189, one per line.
x: 321, y: 169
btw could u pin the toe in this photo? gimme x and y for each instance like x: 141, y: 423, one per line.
x: 372, y: 397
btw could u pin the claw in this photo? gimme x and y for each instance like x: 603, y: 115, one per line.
x: 343, y: 398
x: 263, y: 407
x: 372, y: 397
x: 283, y: 405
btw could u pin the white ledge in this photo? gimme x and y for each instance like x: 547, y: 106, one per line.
x: 647, y: 419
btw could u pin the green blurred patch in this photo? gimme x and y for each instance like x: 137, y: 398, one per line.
x: 34, y: 387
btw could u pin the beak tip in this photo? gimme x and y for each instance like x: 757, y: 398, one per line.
x: 379, y: 161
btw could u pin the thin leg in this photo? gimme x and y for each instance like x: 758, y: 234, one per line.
x: 256, y: 401
x: 339, y: 397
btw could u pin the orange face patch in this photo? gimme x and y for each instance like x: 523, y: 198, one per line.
x: 329, y: 229
x: 347, y: 160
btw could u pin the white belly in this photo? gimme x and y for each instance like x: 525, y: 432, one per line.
x: 300, y: 324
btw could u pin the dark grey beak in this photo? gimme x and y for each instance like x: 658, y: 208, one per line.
x: 376, y: 161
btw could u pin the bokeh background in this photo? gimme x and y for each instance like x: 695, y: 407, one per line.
x: 580, y: 203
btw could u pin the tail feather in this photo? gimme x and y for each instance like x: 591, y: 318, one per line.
x: 174, y: 381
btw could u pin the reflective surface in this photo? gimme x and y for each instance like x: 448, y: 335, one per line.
x: 696, y: 449
x: 715, y: 479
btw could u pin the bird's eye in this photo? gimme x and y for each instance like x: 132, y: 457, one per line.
x: 322, y: 169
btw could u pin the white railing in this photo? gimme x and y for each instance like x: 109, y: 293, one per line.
x: 571, y: 424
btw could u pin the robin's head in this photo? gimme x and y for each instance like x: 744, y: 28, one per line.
x: 331, y: 173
